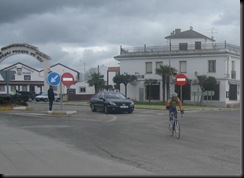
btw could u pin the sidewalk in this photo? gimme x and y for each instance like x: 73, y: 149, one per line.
x: 25, y: 153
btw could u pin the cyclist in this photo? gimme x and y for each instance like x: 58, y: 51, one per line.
x: 172, y: 103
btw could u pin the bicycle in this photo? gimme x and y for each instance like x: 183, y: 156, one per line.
x: 174, y: 124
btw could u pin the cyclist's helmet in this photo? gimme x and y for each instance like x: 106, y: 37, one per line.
x: 174, y: 95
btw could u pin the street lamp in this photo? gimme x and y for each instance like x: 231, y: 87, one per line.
x: 169, y: 51
x: 170, y: 78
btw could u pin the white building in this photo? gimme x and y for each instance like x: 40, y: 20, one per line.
x: 191, y: 53
x: 27, y: 78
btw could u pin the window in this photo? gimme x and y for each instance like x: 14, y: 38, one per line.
x: 82, y: 89
x: 183, y: 68
x: 2, y: 88
x: 71, y: 90
x: 158, y: 64
x: 13, y: 78
x: 233, y: 65
x: 183, y: 46
x: 148, y: 67
x: 197, y: 45
x: 24, y: 88
x: 233, y: 71
x: 19, y: 71
x: 212, y: 66
x: 13, y: 87
x: 27, y: 77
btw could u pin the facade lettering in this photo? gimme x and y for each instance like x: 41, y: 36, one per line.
x: 39, y: 59
x: 20, y: 52
x: 4, y: 55
x: 33, y: 54
x: 26, y: 72
x: 23, y: 48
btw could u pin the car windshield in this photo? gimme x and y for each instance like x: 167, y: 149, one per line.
x: 115, y: 95
x: 43, y: 94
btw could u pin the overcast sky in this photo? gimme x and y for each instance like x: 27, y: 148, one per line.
x: 74, y: 32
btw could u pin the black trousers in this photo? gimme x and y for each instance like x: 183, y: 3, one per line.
x: 50, y: 105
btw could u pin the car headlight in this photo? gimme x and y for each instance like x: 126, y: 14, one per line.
x: 132, y: 103
x: 111, y: 103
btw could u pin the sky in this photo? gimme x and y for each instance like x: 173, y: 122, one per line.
x: 83, y: 34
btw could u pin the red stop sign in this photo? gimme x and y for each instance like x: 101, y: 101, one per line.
x: 181, y: 79
x: 67, y: 79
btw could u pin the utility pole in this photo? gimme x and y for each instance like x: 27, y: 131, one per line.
x: 172, y: 33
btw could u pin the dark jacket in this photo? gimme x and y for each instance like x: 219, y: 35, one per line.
x: 50, y: 94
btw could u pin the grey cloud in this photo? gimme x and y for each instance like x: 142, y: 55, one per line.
x: 51, y: 24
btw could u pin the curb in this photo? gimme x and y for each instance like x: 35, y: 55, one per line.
x: 15, y: 108
x: 61, y: 112
x: 21, y: 108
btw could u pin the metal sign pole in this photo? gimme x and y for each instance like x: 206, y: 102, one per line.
x: 61, y: 97
x: 181, y: 93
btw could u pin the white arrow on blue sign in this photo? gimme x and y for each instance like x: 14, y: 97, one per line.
x: 53, y: 79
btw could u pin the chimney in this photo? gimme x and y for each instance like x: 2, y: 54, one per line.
x: 178, y: 30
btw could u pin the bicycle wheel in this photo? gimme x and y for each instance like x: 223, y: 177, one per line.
x: 171, y: 126
x: 177, y: 129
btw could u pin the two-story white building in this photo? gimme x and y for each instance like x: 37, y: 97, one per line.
x: 26, y: 78
x: 191, y: 53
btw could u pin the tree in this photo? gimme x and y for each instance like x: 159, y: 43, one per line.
x: 166, y: 72
x: 125, y: 79
x: 96, y: 80
x: 206, y: 83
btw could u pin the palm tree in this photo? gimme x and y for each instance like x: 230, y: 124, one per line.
x: 206, y: 83
x: 125, y: 79
x: 166, y: 72
x: 96, y: 80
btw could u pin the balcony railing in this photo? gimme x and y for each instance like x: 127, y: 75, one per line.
x: 191, y: 48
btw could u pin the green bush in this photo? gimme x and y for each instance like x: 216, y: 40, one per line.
x: 12, y: 100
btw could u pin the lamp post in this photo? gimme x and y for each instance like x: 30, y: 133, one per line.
x: 169, y: 77
x: 169, y: 51
x: 84, y: 70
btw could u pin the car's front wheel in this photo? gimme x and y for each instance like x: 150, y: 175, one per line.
x: 93, y: 108
x: 106, y: 109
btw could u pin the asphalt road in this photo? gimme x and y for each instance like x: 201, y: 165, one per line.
x: 210, y: 142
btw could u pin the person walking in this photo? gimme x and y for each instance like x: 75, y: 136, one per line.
x: 50, y: 97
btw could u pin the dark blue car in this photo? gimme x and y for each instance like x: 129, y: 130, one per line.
x: 111, y: 101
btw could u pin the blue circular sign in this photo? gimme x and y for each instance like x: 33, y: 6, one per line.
x: 53, y: 79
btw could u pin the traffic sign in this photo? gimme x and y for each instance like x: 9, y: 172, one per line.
x: 7, y: 75
x: 67, y: 79
x: 53, y: 79
x: 181, y: 79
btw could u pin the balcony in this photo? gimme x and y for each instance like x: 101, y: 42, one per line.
x: 207, y: 48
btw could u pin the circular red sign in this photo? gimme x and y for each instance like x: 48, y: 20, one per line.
x: 67, y: 79
x: 181, y: 79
